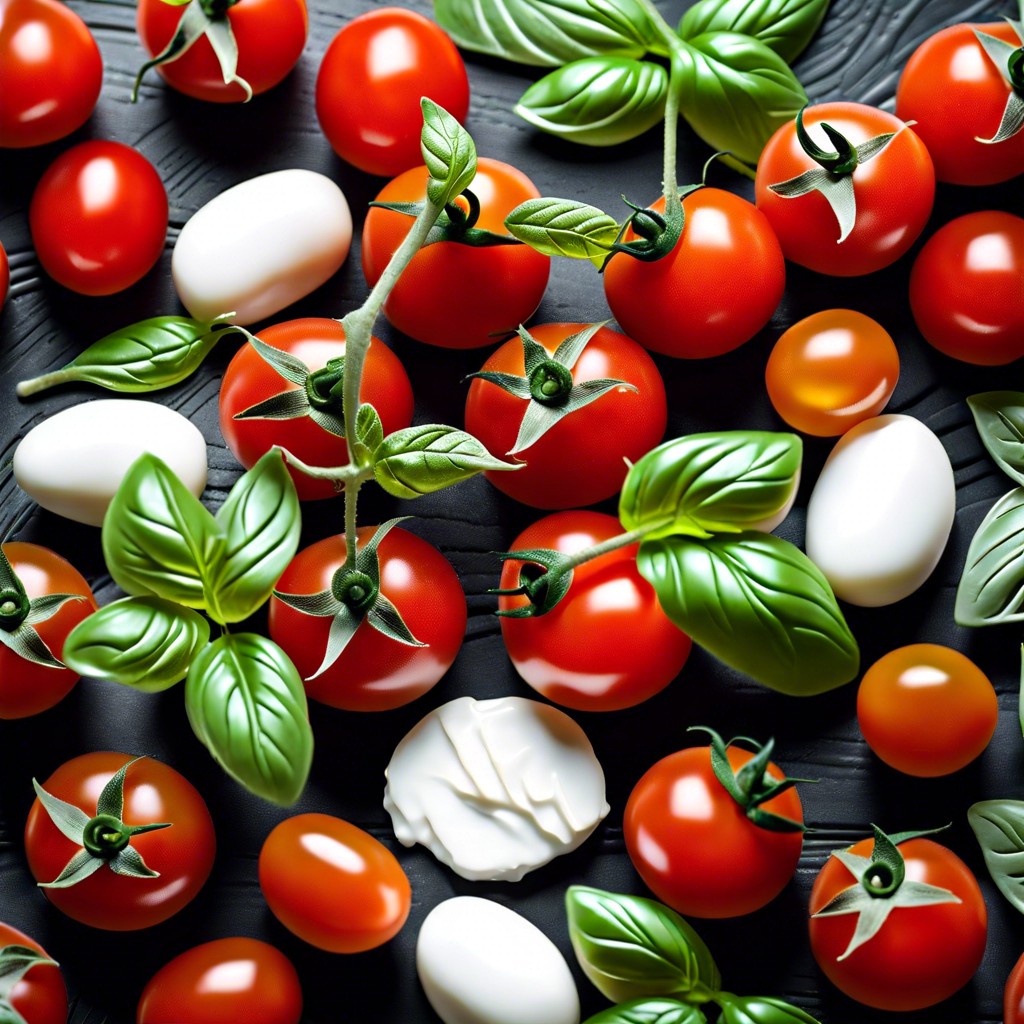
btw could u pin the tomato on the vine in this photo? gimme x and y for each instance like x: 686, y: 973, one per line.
x: 36, y: 995
x: 370, y: 83
x: 714, y: 291
x: 452, y: 294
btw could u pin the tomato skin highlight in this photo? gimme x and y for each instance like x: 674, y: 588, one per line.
x: 332, y: 884
x: 41, y: 996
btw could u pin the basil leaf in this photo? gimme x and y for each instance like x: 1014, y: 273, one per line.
x: 448, y: 151
x: 991, y: 588
x: 649, y: 1011
x: 158, y: 538
x: 999, y: 828
x: 246, y: 703
x: 598, y: 101
x: 634, y: 948
x: 999, y: 417
x: 760, y: 1010
x: 564, y: 227
x: 736, y: 92
x: 785, y: 26
x: 419, y: 460
x: 369, y: 434
x: 142, y: 642
x: 711, y: 483
x: 757, y: 603
x: 261, y: 522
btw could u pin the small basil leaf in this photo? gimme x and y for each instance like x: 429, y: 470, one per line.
x: 649, y: 1011
x: 369, y: 434
x: 785, y: 26
x: 736, y: 92
x: 598, y: 101
x: 999, y: 828
x: 246, y: 703
x: 711, y: 483
x: 634, y: 948
x: 760, y: 1010
x: 757, y: 603
x: 991, y: 588
x: 999, y: 417
x: 142, y: 642
x: 448, y: 151
x: 564, y: 227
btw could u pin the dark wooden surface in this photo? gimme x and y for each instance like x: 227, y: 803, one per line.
x: 201, y: 149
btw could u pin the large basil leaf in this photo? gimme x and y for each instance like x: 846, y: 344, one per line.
x: 999, y: 828
x: 564, y: 227
x: 599, y: 101
x: 448, y: 151
x: 999, y: 417
x: 991, y: 588
x: 634, y: 948
x: 757, y: 603
x: 760, y: 1010
x: 246, y: 703
x: 649, y: 1011
x: 736, y: 92
x: 158, y: 538
x: 143, y: 642
x: 785, y: 26
x: 711, y: 483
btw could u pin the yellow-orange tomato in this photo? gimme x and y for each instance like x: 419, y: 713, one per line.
x: 926, y: 709
x: 832, y: 370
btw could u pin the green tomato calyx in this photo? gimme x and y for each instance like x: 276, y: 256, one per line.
x: 1009, y: 60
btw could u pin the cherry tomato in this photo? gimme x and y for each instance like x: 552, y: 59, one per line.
x: 333, y: 884
x: 270, y: 35
x: 25, y: 687
x: 52, y: 72
x: 223, y: 982
x: 955, y: 95
x: 926, y: 709
x: 580, y: 460
x: 99, y: 217
x: 831, y: 370
x: 374, y: 672
x: 921, y: 955
x: 153, y: 792
x: 250, y: 379
x: 455, y: 295
x: 894, y: 191
x: 371, y: 80
x: 607, y: 644
x: 966, y: 286
x: 1013, y: 995
x: 40, y: 996
x: 716, y: 289
x: 693, y: 844
x: 5, y: 276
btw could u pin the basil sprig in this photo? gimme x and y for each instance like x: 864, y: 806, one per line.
x: 999, y: 828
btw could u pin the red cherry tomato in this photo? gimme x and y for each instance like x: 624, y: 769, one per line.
x: 926, y: 709
x: 693, y: 844
x: 374, y: 672
x: 454, y: 295
x: 921, y: 955
x: 25, y: 687
x: 956, y: 95
x: 99, y: 217
x: 894, y: 192
x: 40, y: 996
x: 52, y: 72
x: 716, y: 289
x: 371, y: 80
x: 224, y: 982
x: 1013, y: 995
x: 966, y: 286
x: 831, y: 370
x: 270, y: 35
x: 153, y: 792
x: 580, y: 460
x: 333, y: 884
x: 607, y: 644
x: 5, y: 276
x: 250, y: 379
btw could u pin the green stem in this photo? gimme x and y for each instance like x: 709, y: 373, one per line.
x: 347, y: 475
x: 621, y: 540
x: 351, y: 498
x: 44, y: 381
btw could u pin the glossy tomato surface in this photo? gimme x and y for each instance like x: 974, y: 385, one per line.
x: 153, y: 792
x: 966, y: 286
x: 580, y: 460
x: 25, y: 687
x: 40, y: 996
x: 374, y: 672
x: 607, y: 644
x: 921, y: 955
x: 956, y: 95
x: 454, y: 295
x: 831, y: 370
x: 5, y: 276
x: 224, y: 982
x: 894, y: 192
x: 693, y: 844
x: 371, y: 80
x: 52, y: 72
x: 250, y: 379
x: 270, y: 35
x: 333, y: 884
x: 714, y: 291
x: 1013, y: 995
x: 99, y: 217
